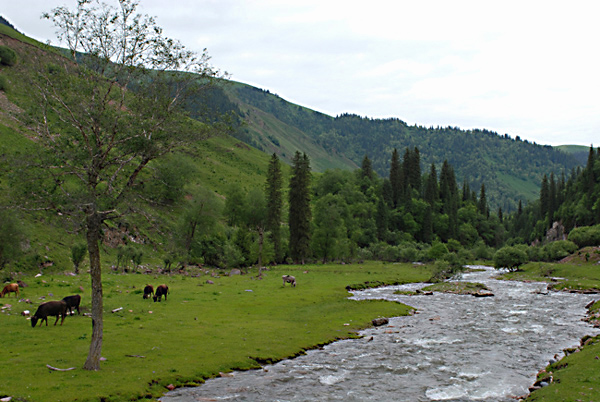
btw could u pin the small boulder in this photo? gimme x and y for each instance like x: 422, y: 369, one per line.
x: 377, y: 322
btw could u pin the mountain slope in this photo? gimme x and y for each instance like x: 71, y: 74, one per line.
x: 511, y: 169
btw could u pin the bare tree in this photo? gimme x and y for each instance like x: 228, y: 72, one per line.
x: 104, y: 115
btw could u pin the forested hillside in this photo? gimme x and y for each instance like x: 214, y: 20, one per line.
x: 510, y: 168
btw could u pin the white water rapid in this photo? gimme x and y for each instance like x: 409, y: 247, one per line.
x: 457, y: 348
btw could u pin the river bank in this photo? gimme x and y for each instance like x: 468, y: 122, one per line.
x: 454, y: 349
x: 211, y: 323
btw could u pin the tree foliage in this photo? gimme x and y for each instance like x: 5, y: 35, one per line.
x: 300, y: 213
x: 102, y: 121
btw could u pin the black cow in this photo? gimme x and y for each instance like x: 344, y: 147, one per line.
x: 72, y: 303
x: 57, y: 308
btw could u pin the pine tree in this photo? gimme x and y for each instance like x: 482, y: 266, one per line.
x: 366, y: 169
x: 396, y: 179
x: 544, y: 197
x: 449, y: 199
x: 432, y: 191
x: 299, y: 204
x: 482, y: 206
x: 552, y: 200
x: 274, y: 199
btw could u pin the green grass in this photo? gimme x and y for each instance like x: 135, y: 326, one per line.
x: 460, y: 288
x: 201, y: 330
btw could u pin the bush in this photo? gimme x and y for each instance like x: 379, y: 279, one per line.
x: 510, y: 257
x: 483, y: 252
x: 559, y: 249
x: 585, y: 236
x: 437, y: 251
x: 8, y: 57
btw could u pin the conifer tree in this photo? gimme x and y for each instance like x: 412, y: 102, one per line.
x: 449, y: 198
x: 299, y: 204
x: 274, y: 199
x: 366, y: 168
x: 396, y: 179
x: 552, y: 200
x: 482, y: 206
x: 432, y: 191
x: 544, y: 197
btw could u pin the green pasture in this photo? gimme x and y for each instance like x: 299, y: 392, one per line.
x: 201, y: 330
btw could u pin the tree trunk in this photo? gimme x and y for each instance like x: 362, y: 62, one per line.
x: 260, y: 246
x: 93, y: 237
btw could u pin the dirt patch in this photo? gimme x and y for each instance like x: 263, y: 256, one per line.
x: 586, y: 254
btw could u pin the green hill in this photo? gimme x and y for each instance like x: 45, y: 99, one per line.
x: 214, y: 164
x: 512, y: 169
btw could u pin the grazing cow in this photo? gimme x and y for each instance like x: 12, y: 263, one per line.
x: 148, y: 291
x: 289, y: 279
x: 56, y: 308
x: 161, y: 290
x: 72, y: 303
x: 13, y: 287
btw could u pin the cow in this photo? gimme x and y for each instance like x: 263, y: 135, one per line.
x: 56, y: 308
x: 161, y: 290
x: 72, y: 303
x: 289, y: 279
x: 12, y: 287
x: 148, y: 291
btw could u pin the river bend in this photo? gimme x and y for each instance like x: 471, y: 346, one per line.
x: 457, y: 348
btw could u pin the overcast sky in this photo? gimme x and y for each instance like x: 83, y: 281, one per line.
x: 523, y: 68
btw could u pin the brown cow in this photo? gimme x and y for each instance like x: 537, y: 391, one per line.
x: 148, y: 291
x: 13, y: 287
x: 161, y: 290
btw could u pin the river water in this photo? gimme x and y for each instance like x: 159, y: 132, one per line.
x: 456, y: 348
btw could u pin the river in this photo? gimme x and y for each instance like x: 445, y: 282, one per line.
x: 456, y: 348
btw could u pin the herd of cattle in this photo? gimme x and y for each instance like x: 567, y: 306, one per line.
x: 59, y: 308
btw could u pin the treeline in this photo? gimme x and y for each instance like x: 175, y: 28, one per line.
x: 564, y: 203
x: 409, y: 215
x: 510, y: 168
x: 344, y: 215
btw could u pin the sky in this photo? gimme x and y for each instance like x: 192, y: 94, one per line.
x: 523, y: 68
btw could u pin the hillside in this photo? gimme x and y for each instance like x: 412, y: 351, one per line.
x: 511, y: 169
x: 214, y: 165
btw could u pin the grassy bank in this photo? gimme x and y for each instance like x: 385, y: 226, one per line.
x: 575, y: 377
x: 201, y: 330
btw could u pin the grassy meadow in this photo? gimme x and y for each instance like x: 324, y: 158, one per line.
x: 201, y: 330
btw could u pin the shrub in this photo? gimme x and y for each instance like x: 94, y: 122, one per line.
x: 8, y: 57
x: 510, y: 257
x: 585, y: 236
x: 483, y: 252
x: 559, y: 249
x: 437, y: 251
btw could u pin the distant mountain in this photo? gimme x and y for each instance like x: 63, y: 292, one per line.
x: 511, y: 169
x: 580, y: 152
